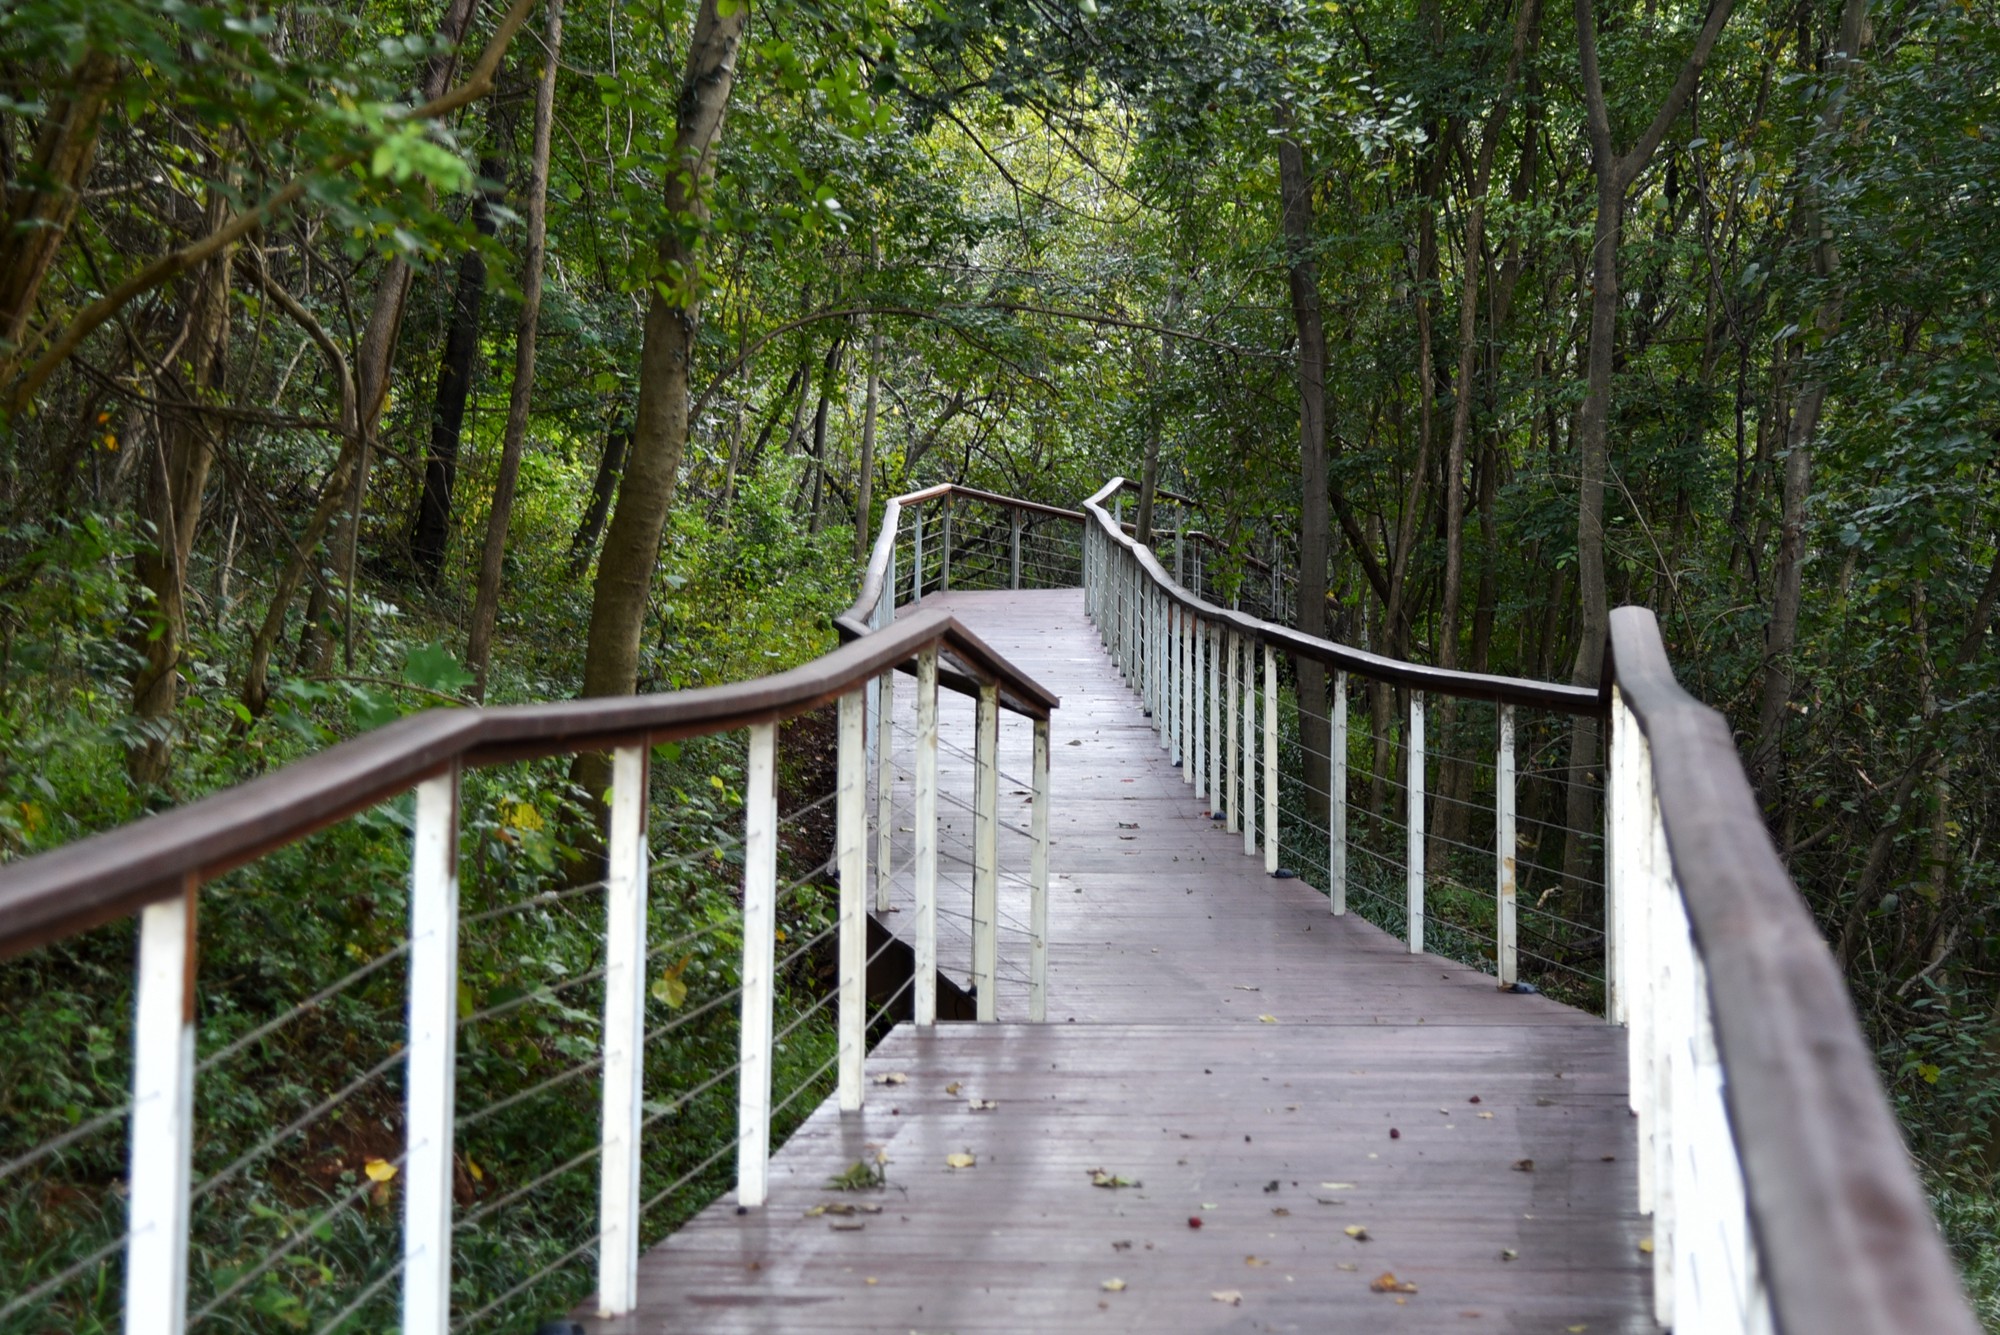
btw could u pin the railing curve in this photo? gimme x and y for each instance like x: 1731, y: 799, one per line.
x: 1781, y: 1195
x: 155, y: 868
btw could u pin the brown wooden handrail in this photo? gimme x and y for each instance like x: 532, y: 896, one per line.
x: 853, y: 623
x: 1842, y: 1227
x: 118, y: 872
x: 1341, y: 657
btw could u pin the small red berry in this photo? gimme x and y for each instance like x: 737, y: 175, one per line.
x: 1194, y: 1221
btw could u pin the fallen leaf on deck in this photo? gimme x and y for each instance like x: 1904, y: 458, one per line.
x: 845, y: 1225
x: 1524, y: 1165
x: 1268, y: 1019
x: 959, y: 1161
x: 1100, y: 1178
x: 1234, y: 1297
x: 1255, y: 1261
x: 1124, y: 1246
x: 1336, y: 1186
x: 952, y: 1088
x: 1646, y: 1246
x: 1509, y: 1254
x: 1113, y: 1286
x: 1076, y: 743
x: 1348, y: 1266
x: 893, y: 1078
x: 1281, y: 1212
x: 1241, y: 987
x: 1386, y: 1282
x: 1486, y: 1117
x: 1358, y: 1232
x: 981, y: 1105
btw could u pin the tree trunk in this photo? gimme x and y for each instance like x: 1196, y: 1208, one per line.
x: 376, y: 358
x: 1315, y: 525
x: 632, y: 545
x: 432, y: 530
x: 44, y: 197
x: 1787, y: 574
x: 1455, y: 777
x: 177, y: 475
x: 492, y: 556
x: 829, y: 374
x: 1614, y: 176
x: 864, y: 485
x: 610, y: 467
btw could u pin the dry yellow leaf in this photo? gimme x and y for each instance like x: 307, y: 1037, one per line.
x: 1234, y: 1297
x: 1646, y: 1246
x: 1113, y: 1286
x: 959, y: 1161
x: 1356, y: 1231
x: 952, y: 1088
x: 380, y: 1170
x: 893, y: 1078
x: 1268, y: 1019
x: 1255, y: 1261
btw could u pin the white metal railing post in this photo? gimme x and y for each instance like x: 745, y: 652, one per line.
x: 851, y: 847
x: 986, y: 854
x: 1038, y: 881
x: 1414, y: 818
x: 1270, y: 760
x: 1176, y: 684
x: 1014, y: 546
x: 162, y: 1122
x: 1505, y: 854
x: 431, y: 1058
x: 624, y: 1035
x: 885, y: 788
x: 1197, y: 704
x: 1249, y: 748
x: 1190, y: 682
x: 916, y: 553
x: 1213, y: 634
x: 925, y: 840
x: 1622, y: 787
x: 1231, y: 655
x: 760, y: 926
x: 1336, y: 800
x: 944, y: 547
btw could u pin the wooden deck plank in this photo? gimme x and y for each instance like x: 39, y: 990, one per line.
x: 1157, y: 1067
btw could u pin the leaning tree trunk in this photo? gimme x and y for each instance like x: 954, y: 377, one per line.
x: 486, y: 604
x: 659, y: 436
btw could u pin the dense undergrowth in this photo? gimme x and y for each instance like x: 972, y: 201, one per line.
x: 297, y: 1216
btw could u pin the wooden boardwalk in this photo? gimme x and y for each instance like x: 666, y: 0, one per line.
x: 1220, y: 1041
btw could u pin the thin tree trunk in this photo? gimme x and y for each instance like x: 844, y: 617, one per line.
x: 1455, y: 779
x: 44, y: 198
x: 175, y: 480
x: 830, y: 373
x: 1614, y: 176
x: 1315, y: 524
x: 1787, y: 574
x: 432, y: 529
x: 492, y: 555
x: 659, y: 436
x: 864, y: 485
x: 603, y: 490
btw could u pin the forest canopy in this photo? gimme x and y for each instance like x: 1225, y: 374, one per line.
x: 356, y: 358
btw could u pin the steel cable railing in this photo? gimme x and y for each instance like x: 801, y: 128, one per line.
x: 488, y: 990
x: 1779, y: 1193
